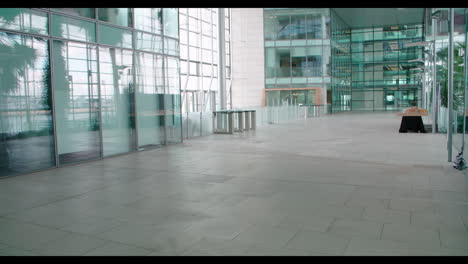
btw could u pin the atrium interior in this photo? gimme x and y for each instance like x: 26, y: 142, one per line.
x: 233, y: 131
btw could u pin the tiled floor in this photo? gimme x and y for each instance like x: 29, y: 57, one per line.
x: 347, y: 184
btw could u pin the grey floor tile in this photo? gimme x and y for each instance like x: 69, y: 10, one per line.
x: 70, y: 245
x: 117, y: 249
x: 307, y: 221
x: 358, y: 228
x: 451, y: 238
x: 267, y: 236
x: 319, y: 242
x: 386, y: 215
x: 413, y: 235
x: 27, y: 236
x: 222, y: 228
x: 412, y: 205
x: 359, y: 246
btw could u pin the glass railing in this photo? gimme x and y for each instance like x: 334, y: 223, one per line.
x: 197, y: 124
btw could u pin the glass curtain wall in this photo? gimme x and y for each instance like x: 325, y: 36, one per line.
x: 297, y: 55
x: 199, y: 59
x: 386, y: 71
x: 80, y: 84
x: 340, y: 96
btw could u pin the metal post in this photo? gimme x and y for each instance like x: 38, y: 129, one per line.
x: 435, y: 109
x: 465, y: 60
x: 253, y: 119
x: 222, y: 59
x: 450, y: 87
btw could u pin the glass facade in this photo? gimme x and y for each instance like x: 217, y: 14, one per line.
x: 386, y: 71
x: 297, y: 55
x: 199, y: 60
x: 340, y: 94
x: 80, y: 84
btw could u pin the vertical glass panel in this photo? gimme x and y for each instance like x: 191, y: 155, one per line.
x: 26, y: 125
x: 117, y: 100
x: 298, y: 27
x: 171, y: 47
x: 148, y: 19
x: 115, y: 36
x: 70, y: 28
x: 24, y: 19
x: 148, y: 42
x: 171, y: 22
x: 117, y: 16
x: 173, y: 102
x: 76, y: 101
x: 283, y: 60
x: 150, y: 96
x: 86, y: 12
x: 298, y: 61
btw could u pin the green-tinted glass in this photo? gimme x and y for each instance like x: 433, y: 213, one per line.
x: 76, y: 101
x: 148, y: 42
x: 117, y: 16
x: 26, y: 125
x: 172, y: 101
x: 117, y: 97
x: 115, y: 36
x: 171, y: 47
x: 148, y: 19
x: 70, y: 28
x: 24, y: 19
x: 149, y: 96
x: 85, y: 12
x: 171, y: 22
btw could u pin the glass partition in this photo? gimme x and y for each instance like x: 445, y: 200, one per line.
x: 149, y: 95
x: 26, y: 125
x: 117, y: 107
x: 172, y: 102
x: 76, y: 101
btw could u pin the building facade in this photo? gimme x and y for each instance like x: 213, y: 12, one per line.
x: 297, y: 55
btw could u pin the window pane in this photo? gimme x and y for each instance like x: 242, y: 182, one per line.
x: 71, y: 28
x: 148, y: 19
x: 150, y: 96
x: 24, y: 19
x: 115, y: 36
x: 148, y: 42
x: 26, y: 125
x: 118, y: 16
x: 118, y: 126
x: 172, y: 102
x: 171, y: 22
x: 76, y: 101
x: 86, y: 12
x: 171, y: 47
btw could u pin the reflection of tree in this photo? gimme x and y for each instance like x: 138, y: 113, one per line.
x: 458, y: 76
x: 15, y: 58
x: 17, y: 63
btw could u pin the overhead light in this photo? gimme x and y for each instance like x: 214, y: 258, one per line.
x: 417, y: 60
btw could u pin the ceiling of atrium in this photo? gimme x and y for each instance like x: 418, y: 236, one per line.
x: 368, y: 17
